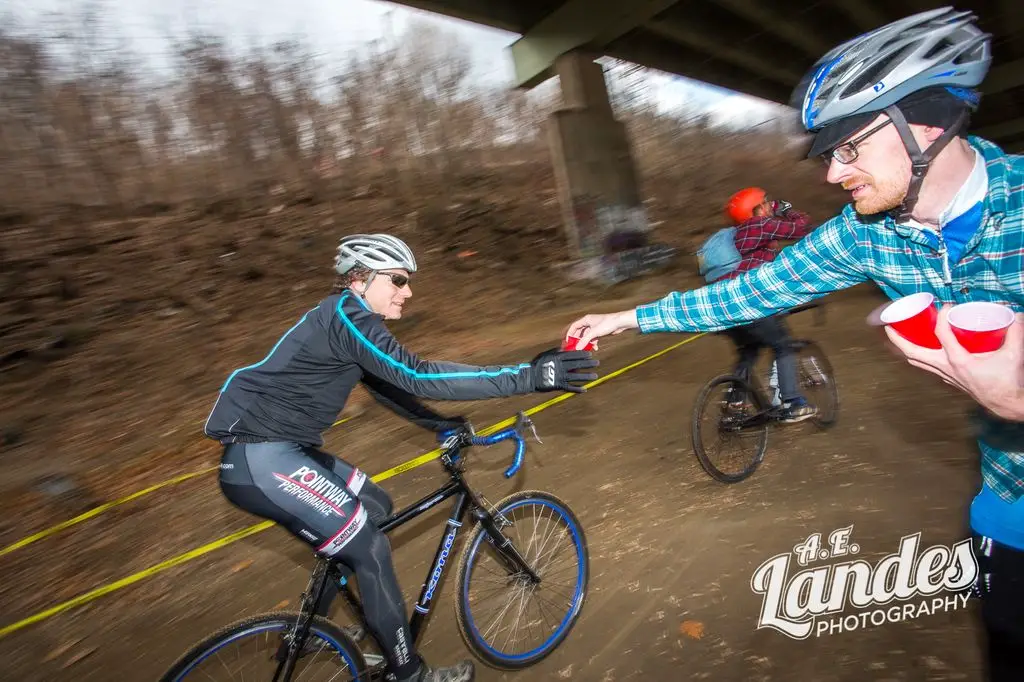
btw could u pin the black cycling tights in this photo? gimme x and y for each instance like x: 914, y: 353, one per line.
x: 1000, y: 585
x: 334, y: 507
x: 773, y: 333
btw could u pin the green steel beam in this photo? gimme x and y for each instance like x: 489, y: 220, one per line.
x: 646, y: 49
x: 576, y: 24
x: 1004, y: 77
x: 1005, y: 129
x: 706, y: 43
x: 862, y: 13
x: 793, y: 32
x: 1011, y: 18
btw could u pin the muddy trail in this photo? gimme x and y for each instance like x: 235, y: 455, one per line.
x: 117, y: 332
x: 672, y: 552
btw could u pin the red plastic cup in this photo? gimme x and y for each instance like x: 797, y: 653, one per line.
x: 913, y: 317
x: 571, y: 342
x: 980, y: 327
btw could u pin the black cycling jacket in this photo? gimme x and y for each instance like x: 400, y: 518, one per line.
x: 297, y: 391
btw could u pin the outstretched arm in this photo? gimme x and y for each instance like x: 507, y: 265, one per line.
x: 360, y: 335
x: 825, y: 261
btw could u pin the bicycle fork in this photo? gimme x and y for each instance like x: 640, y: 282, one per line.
x: 510, y: 556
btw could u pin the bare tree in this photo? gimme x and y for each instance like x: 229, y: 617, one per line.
x: 82, y: 122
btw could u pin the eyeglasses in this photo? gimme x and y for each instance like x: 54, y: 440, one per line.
x: 847, y: 152
x: 399, y: 280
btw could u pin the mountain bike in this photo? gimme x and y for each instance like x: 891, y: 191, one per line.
x: 740, y: 410
x: 294, y: 645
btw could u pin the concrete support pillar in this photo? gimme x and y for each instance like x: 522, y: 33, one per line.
x: 582, y: 83
x: 597, y: 182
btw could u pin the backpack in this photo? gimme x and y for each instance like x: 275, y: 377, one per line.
x: 718, y: 255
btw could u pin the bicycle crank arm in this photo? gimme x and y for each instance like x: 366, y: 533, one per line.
x: 754, y: 421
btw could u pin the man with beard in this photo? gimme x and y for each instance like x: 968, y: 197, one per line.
x: 932, y: 211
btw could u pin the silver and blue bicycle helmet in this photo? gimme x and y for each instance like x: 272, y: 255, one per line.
x: 374, y: 252
x: 925, y: 66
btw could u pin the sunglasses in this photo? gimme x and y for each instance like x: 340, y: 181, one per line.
x: 846, y: 152
x: 399, y: 280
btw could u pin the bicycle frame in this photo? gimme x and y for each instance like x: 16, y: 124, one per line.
x: 466, y: 500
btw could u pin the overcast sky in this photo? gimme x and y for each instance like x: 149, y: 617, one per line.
x: 331, y: 28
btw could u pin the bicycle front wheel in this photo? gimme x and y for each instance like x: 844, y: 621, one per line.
x: 729, y: 429
x: 249, y: 650
x: 499, y: 609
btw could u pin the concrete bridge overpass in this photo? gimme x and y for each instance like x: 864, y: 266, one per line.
x: 756, y: 47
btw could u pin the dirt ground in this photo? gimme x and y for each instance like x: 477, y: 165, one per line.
x: 672, y: 552
x: 117, y: 336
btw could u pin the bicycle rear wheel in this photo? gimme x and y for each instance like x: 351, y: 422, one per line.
x: 247, y: 650
x: 818, y: 383
x: 550, y: 539
x: 737, y: 416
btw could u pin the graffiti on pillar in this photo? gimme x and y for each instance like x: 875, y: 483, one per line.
x: 642, y: 260
x: 587, y: 235
x: 602, y: 228
x: 614, y: 241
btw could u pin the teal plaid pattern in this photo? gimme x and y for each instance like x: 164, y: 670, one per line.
x: 850, y: 249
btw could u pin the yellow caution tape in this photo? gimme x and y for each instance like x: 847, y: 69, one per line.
x: 136, y: 577
x: 107, y: 506
x: 96, y: 511
x: 260, y: 527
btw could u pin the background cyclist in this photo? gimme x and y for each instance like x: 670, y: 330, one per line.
x: 753, y: 240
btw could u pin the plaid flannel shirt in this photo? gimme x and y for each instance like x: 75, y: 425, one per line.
x: 850, y: 249
x: 756, y: 238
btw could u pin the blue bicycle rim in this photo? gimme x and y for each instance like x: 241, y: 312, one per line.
x: 576, y: 597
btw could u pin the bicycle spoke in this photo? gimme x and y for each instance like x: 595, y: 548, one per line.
x: 543, y: 562
x: 514, y: 628
x: 555, y: 618
x: 508, y: 603
x: 223, y: 664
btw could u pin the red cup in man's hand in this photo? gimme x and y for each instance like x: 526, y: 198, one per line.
x: 571, y: 342
x: 979, y: 326
x: 913, y: 317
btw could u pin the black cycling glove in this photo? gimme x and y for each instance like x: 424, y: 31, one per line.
x: 558, y: 370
